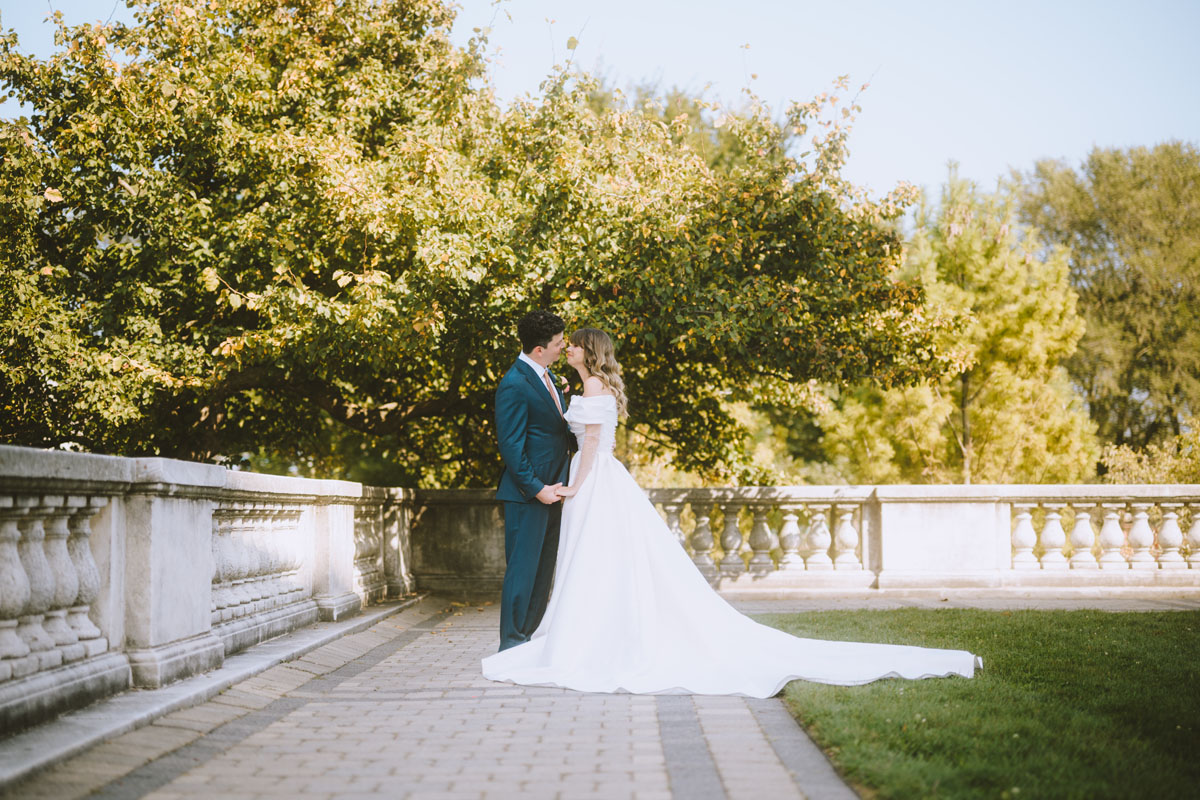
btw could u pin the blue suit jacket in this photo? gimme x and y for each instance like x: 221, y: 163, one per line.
x: 533, y: 436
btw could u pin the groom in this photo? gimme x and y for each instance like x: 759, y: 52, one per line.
x: 533, y: 443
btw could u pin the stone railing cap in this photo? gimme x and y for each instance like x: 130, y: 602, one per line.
x: 28, y: 465
x: 236, y: 480
x: 174, y: 472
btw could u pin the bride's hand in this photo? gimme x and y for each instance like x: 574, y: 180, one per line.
x: 566, y: 491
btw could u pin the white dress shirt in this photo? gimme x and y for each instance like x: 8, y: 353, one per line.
x: 540, y: 370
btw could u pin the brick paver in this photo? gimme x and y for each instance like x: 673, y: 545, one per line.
x: 401, y: 711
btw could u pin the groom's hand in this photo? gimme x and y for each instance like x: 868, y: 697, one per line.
x: 548, y: 494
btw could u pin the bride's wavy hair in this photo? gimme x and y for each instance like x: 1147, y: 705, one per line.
x: 600, y: 359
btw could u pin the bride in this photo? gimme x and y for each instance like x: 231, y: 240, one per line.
x: 630, y: 612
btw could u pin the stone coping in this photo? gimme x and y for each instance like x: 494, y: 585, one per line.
x: 27, y: 468
x: 892, y: 493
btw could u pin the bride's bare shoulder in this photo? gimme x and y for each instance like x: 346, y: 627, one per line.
x: 594, y: 387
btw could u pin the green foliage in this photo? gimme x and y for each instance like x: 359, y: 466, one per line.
x: 1176, y: 460
x: 1007, y: 414
x: 1132, y: 221
x: 300, y: 234
x: 1069, y: 704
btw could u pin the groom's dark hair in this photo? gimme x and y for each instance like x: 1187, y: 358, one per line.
x: 537, y: 328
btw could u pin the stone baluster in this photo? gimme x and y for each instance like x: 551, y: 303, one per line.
x: 1193, y: 537
x: 66, y: 582
x: 818, y: 539
x: 1024, y: 538
x: 214, y: 597
x: 1083, y: 537
x: 14, y: 585
x: 1141, y: 538
x: 255, y: 543
x: 296, y: 555
x: 845, y: 540
x: 732, y: 564
x: 79, y: 546
x: 1054, y: 538
x: 222, y: 567
x: 1112, y: 538
x: 760, y: 542
x: 1170, y: 537
x: 276, y: 555
x: 233, y: 594
x: 790, y: 540
x: 239, y: 540
x: 41, y: 585
x: 702, y: 541
x: 673, y: 512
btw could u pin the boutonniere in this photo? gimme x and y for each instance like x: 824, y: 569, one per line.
x: 564, y: 385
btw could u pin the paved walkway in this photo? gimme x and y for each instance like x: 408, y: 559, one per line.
x: 399, y: 710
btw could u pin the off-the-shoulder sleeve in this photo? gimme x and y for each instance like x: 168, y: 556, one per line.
x: 592, y: 410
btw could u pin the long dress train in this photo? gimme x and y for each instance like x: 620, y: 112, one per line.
x: 630, y: 612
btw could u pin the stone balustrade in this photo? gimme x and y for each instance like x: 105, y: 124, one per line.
x: 119, y: 572
x: 784, y: 540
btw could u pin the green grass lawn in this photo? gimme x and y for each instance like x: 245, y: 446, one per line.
x: 1073, y: 704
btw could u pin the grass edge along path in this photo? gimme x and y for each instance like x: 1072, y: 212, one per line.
x: 1070, y: 704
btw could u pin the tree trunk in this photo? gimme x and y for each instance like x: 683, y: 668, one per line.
x: 966, y: 430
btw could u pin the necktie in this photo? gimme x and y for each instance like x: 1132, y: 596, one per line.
x: 554, y: 394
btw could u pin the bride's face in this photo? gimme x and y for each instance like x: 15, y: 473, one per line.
x: 574, y: 355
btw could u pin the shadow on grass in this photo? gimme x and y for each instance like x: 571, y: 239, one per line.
x: 1070, y: 704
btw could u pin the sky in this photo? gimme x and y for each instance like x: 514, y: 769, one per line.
x: 991, y: 86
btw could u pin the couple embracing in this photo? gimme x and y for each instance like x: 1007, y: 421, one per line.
x: 598, y: 595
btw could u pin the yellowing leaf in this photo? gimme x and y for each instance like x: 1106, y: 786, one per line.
x: 209, y: 279
x: 53, y: 195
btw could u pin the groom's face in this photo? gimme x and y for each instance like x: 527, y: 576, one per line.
x: 549, y: 354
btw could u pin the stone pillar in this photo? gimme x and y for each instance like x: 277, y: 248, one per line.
x: 944, y: 536
x: 397, y: 547
x: 333, y: 568
x: 169, y: 569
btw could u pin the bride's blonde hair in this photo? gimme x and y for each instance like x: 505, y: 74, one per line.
x: 601, y: 361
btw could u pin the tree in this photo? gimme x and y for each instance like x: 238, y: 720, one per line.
x: 1176, y: 460
x: 304, y: 230
x: 1008, y: 413
x: 1132, y: 221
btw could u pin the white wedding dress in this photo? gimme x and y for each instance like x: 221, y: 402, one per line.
x: 630, y: 612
